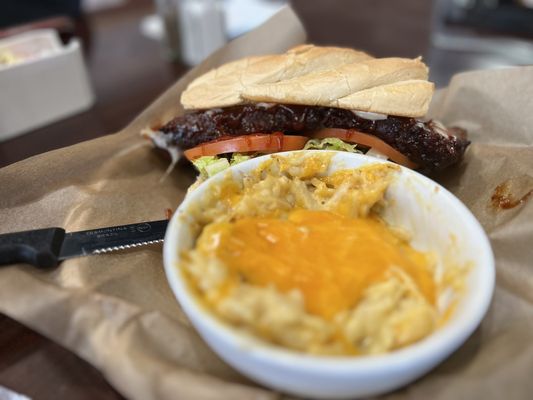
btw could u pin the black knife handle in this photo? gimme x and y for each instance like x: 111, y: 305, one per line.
x: 39, y: 247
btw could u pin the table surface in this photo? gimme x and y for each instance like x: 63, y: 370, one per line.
x: 127, y: 73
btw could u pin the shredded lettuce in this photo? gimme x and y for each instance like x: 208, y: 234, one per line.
x: 218, y: 166
x: 331, y: 144
x: 237, y: 158
x: 212, y: 165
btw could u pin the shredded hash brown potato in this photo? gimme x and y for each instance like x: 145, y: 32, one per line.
x: 301, y: 259
x: 282, y: 184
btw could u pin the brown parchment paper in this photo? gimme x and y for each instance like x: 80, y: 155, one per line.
x: 117, y: 311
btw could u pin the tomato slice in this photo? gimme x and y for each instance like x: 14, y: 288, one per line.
x: 353, y: 136
x: 259, y: 143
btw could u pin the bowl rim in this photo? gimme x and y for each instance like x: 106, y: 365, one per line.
x: 441, y: 342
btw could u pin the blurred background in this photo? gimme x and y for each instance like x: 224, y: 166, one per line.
x: 72, y: 70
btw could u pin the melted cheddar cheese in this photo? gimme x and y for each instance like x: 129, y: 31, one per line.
x: 329, y: 258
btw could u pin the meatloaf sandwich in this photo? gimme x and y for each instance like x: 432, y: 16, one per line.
x: 311, y: 98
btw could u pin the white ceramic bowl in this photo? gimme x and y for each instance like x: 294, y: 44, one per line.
x: 439, y: 221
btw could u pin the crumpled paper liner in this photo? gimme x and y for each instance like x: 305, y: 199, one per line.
x: 117, y: 312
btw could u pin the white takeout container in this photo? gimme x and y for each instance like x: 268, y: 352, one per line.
x: 439, y: 222
x: 48, y: 84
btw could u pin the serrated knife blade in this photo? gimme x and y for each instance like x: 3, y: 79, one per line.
x: 105, y: 240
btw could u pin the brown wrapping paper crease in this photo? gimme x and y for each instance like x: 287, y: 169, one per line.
x: 117, y: 311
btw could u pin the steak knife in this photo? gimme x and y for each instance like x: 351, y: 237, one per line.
x: 46, y: 248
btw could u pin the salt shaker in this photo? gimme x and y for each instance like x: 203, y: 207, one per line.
x: 193, y: 28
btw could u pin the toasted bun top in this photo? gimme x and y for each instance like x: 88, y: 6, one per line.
x: 317, y: 76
